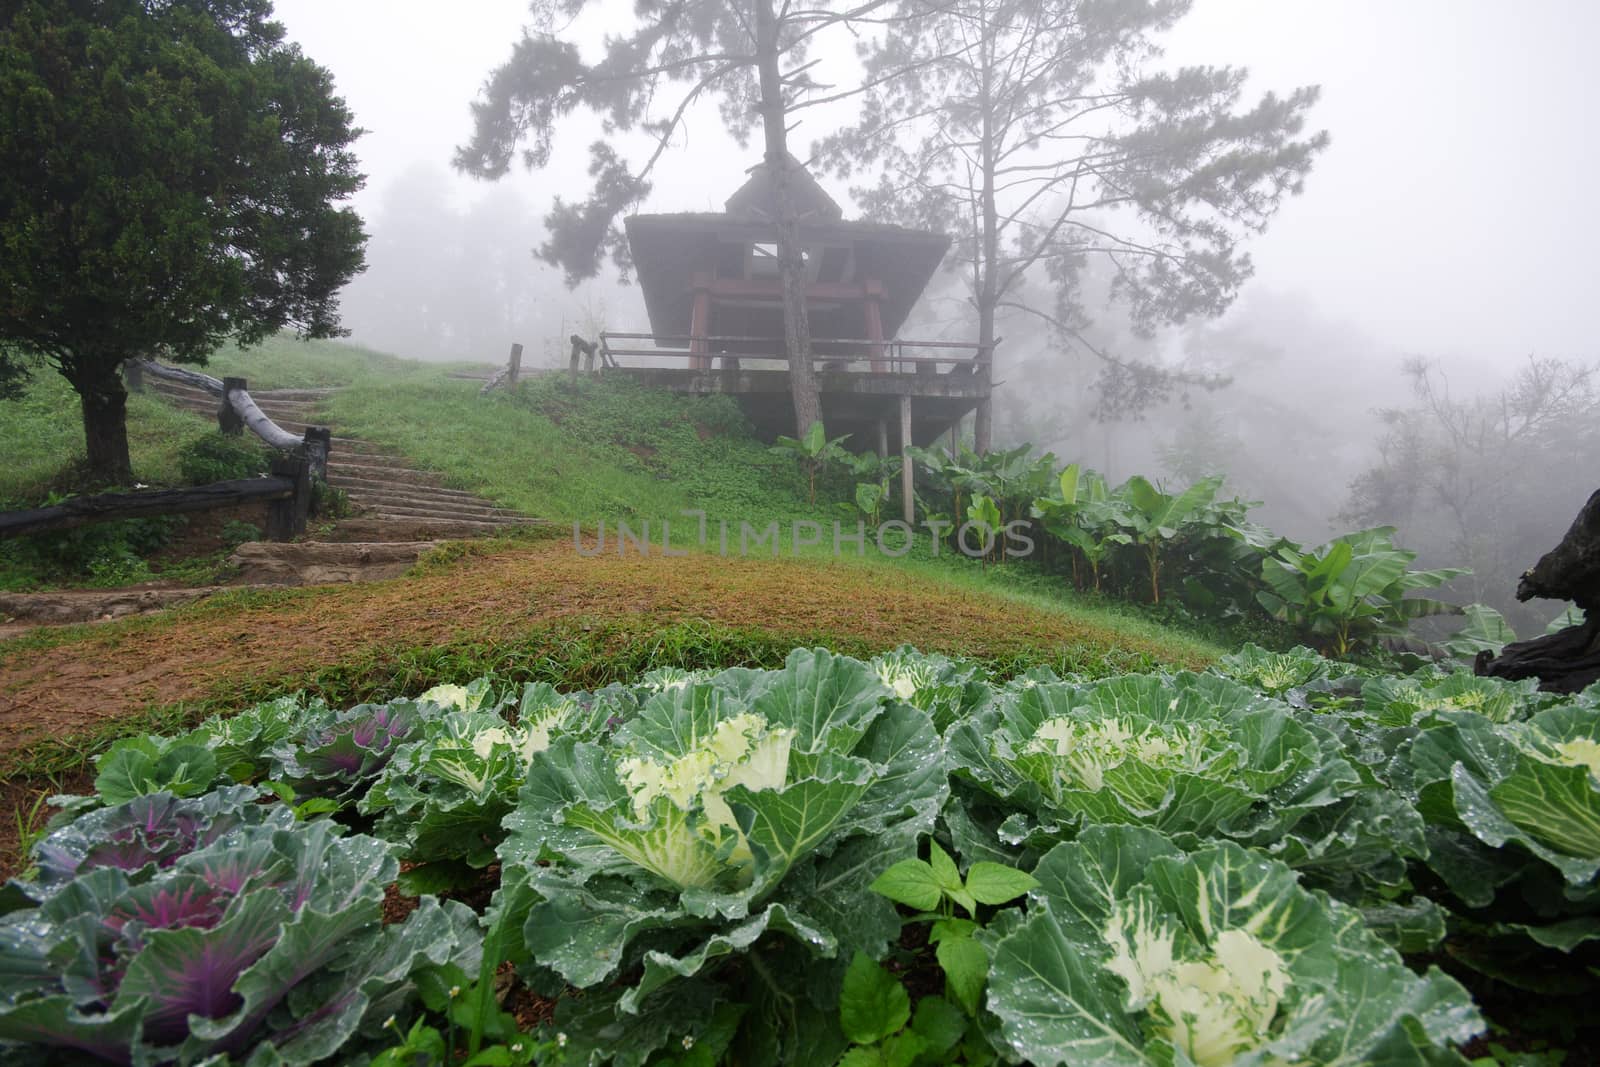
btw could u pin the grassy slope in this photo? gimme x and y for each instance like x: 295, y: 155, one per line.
x: 532, y: 611
x: 43, y: 432
x: 527, y: 610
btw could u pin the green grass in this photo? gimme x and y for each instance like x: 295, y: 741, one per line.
x: 43, y: 432
x: 584, y: 451
x: 284, y: 363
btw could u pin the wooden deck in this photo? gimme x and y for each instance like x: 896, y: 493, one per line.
x: 864, y: 385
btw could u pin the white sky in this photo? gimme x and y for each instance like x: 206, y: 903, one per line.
x: 1450, y: 216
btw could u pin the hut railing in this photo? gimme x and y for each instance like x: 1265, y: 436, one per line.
x: 899, y: 354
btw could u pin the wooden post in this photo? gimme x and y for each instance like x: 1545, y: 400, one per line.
x: 318, y: 443
x: 700, y: 323
x: 883, y: 453
x: 286, y: 518
x: 909, y: 499
x: 229, y: 421
x: 874, y: 316
x: 133, y: 374
x: 516, y: 365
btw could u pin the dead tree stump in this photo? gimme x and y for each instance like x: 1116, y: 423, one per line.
x: 1568, y: 661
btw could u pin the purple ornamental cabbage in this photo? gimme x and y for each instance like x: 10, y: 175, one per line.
x: 270, y: 935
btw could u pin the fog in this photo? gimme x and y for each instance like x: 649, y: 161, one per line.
x: 1446, y: 221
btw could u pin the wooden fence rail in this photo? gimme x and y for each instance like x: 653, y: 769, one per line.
x: 239, y: 411
x: 287, y: 492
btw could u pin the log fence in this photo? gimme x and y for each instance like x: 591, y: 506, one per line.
x: 286, y: 490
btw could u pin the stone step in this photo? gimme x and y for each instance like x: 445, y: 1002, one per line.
x: 420, y: 491
x: 426, y: 504
x: 391, y: 485
x: 355, y: 446
x: 435, y: 523
x: 320, y: 562
x: 357, y: 467
x: 298, y: 426
x: 376, y: 528
x: 445, y: 514
x: 266, y: 396
x: 367, y: 461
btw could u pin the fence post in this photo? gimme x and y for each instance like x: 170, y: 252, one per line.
x: 133, y: 374
x: 907, y: 482
x: 516, y: 365
x: 286, y: 518
x: 318, y: 445
x: 228, y: 420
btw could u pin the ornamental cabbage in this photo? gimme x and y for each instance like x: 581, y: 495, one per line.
x: 1194, y: 756
x: 477, y: 695
x: 750, y: 803
x: 267, y: 942
x: 146, y: 834
x: 1403, y: 701
x: 1531, y: 784
x: 1134, y: 953
x: 444, y: 793
x: 1276, y: 673
x: 948, y: 690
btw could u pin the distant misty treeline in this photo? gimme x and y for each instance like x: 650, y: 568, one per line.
x: 1331, y: 429
x: 446, y: 282
x: 1326, y: 426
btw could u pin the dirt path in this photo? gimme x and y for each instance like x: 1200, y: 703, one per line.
x: 122, y: 667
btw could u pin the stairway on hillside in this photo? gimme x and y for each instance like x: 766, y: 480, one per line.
x: 389, y: 499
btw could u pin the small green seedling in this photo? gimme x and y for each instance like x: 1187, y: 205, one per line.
x: 875, y: 1013
x: 934, y: 888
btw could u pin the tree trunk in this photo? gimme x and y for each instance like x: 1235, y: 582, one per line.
x: 988, y: 283
x: 791, y: 265
x: 105, y: 428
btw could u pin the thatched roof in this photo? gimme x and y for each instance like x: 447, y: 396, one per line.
x: 757, y: 199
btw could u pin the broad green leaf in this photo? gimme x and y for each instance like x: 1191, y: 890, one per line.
x: 1057, y: 1004
x: 994, y: 883
x: 944, y: 868
x: 912, y: 883
x: 939, y: 1023
x: 873, y: 1004
x: 966, y: 968
x: 1069, y: 483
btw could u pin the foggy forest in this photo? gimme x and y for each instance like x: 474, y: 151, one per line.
x: 1391, y: 336
x: 841, y: 533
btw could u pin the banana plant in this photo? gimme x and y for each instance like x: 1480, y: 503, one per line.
x: 984, y: 515
x: 869, y: 501
x: 1352, y: 590
x: 1156, y: 519
x: 871, y: 466
x: 1084, y: 517
x: 815, y: 451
